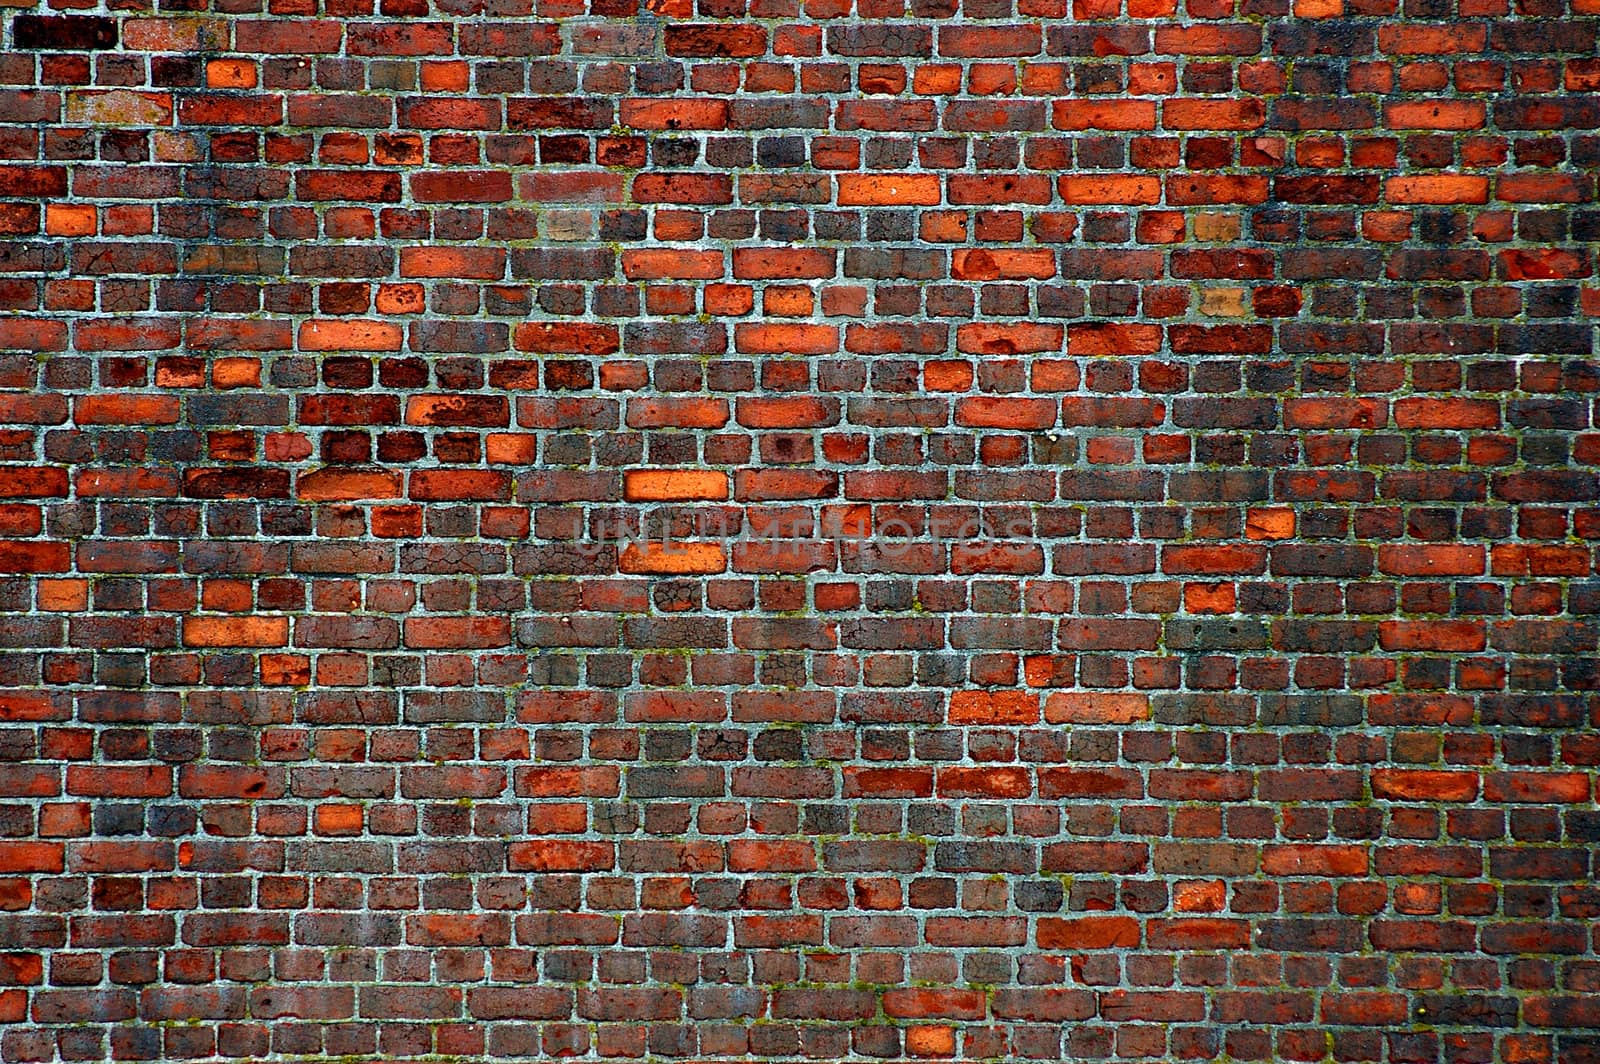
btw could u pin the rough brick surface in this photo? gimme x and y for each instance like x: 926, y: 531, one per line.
x: 999, y: 529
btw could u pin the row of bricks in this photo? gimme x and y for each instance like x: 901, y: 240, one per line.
x: 780, y: 156
x: 52, y: 383
x: 1535, y: 34
x: 345, y: 447
x: 1010, y: 856
x: 147, y: 93
x: 1297, y: 975
x: 1041, y: 599
x: 1418, y: 833
x: 461, y: 409
x: 784, y: 1040
x: 1408, y: 825
x: 907, y: 189
x: 1312, y: 676
x: 116, y: 107
x: 1459, y: 785
x: 810, y: 554
x: 125, y: 335
x: 336, y: 746
x: 863, y: 271
x: 1555, y: 486
x: 778, y: 931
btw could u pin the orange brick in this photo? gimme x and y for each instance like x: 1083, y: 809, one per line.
x: 673, y: 559
x: 285, y: 670
x: 1437, y: 188
x: 795, y: 339
x: 1434, y: 559
x: 63, y: 595
x: 1087, y: 932
x: 977, y: 338
x: 350, y: 335
x: 236, y: 373
x: 446, y: 75
x: 560, y: 337
x: 1434, y: 114
x: 986, y: 264
x: 235, y: 631
x: 400, y: 299
x: 944, y: 226
x: 673, y: 485
x: 1096, y: 707
x: 676, y: 263
x: 1424, y: 785
x: 343, y: 485
x: 947, y: 376
x: 487, y: 264
x: 338, y: 819
x: 1457, y: 636
x: 1267, y: 523
x: 125, y: 410
x: 1104, y: 114
x: 1297, y: 860
x: 1199, y: 896
x: 994, y: 707
x: 1209, y: 598
x: 675, y: 114
x: 888, y: 190
x: 231, y: 73
x: 1212, y: 114
x: 931, y: 1041
x: 770, y: 263
x: 1089, y: 189
x: 1006, y: 413
x: 69, y: 219
x: 510, y: 448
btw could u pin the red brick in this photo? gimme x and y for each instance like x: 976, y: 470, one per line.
x: 675, y: 114
x: 1440, y: 559
x: 1307, y: 860
x: 1087, y: 932
x: 769, y: 263
x: 1424, y: 785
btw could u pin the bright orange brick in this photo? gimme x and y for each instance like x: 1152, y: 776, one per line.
x: 1088, y: 189
x: 994, y: 707
x: 350, y: 335
x: 673, y: 559
x: 673, y: 485
x: 235, y: 631
x: 1437, y: 188
x: 888, y: 190
x: 231, y: 73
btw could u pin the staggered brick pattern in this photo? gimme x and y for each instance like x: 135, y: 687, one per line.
x: 1010, y: 530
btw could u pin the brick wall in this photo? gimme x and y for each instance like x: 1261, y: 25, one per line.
x: 1004, y: 530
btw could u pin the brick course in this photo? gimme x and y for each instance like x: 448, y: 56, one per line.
x: 985, y: 529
